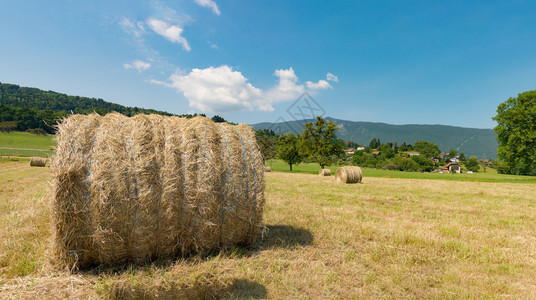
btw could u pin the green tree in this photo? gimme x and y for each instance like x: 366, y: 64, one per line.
x: 218, y: 119
x: 319, y: 142
x: 426, y: 149
x: 472, y: 164
x: 266, y: 139
x: 516, y: 134
x: 462, y: 157
x: 373, y: 143
x: 287, y: 149
x: 452, y: 153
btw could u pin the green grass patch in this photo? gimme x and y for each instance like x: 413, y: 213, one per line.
x: 490, y: 175
x: 26, y: 140
x: 25, y: 144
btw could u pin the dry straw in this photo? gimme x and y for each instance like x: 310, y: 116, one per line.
x: 350, y: 174
x: 324, y: 172
x: 267, y: 169
x: 133, y: 189
x: 38, y: 162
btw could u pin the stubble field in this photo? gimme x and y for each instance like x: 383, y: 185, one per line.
x: 385, y: 238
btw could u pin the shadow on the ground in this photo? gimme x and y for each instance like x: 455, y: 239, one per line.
x: 245, y: 289
x: 273, y: 237
x: 201, y: 286
x: 283, y: 236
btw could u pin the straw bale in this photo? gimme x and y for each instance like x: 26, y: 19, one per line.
x: 134, y: 189
x: 38, y: 162
x: 324, y: 172
x: 267, y: 169
x: 349, y: 174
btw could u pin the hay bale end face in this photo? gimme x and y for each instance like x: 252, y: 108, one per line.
x: 134, y: 189
x: 38, y: 162
x: 349, y: 174
x: 324, y: 172
x: 267, y: 169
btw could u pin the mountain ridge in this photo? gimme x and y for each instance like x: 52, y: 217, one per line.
x: 479, y: 142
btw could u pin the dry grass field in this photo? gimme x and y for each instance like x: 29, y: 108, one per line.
x: 385, y: 238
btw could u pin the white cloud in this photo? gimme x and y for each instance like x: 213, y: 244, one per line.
x: 135, y: 29
x: 222, y: 89
x: 171, y: 32
x: 219, y: 90
x: 321, y: 84
x: 210, y: 4
x: 138, y: 65
x: 331, y: 77
x: 287, y: 87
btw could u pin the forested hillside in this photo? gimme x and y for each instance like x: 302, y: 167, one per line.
x: 23, y: 108
x: 471, y: 141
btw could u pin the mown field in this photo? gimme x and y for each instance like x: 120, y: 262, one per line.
x: 27, y: 145
x: 490, y: 175
x: 385, y: 238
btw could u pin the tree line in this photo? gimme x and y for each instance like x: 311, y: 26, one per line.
x: 317, y: 143
x: 32, y: 109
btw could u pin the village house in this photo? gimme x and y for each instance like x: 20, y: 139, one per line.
x: 350, y: 151
x: 413, y: 153
x: 376, y: 152
x: 455, y: 159
x: 451, y: 167
x: 360, y: 148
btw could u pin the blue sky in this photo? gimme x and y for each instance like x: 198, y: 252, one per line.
x: 398, y: 62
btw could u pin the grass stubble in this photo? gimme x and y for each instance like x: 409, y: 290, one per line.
x: 385, y: 238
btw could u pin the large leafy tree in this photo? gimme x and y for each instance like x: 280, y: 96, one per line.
x: 516, y: 134
x: 319, y: 142
x: 472, y: 164
x: 426, y: 149
x: 287, y: 149
x: 266, y: 139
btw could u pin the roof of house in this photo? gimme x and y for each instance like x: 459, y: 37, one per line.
x: 449, y: 164
x: 413, y: 153
x: 376, y: 152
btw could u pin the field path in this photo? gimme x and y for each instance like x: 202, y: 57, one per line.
x: 9, y: 148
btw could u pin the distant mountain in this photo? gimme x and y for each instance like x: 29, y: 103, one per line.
x: 481, y: 143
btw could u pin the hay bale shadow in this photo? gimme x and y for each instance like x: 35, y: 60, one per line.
x: 285, y: 236
x: 245, y: 289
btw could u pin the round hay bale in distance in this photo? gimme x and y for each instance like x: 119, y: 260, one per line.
x: 134, y: 189
x: 349, y: 174
x: 38, y: 162
x: 267, y: 169
x: 324, y: 172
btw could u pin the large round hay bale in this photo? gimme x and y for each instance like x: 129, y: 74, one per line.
x: 38, y: 162
x: 324, y: 172
x: 350, y: 174
x: 267, y: 169
x: 133, y: 189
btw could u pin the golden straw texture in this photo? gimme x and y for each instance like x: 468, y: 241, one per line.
x: 350, y: 174
x: 38, y: 162
x: 133, y: 189
x: 324, y: 172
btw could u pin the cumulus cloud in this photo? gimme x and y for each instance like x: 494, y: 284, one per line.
x: 138, y: 65
x: 287, y: 87
x: 331, y: 77
x: 222, y: 89
x: 320, y: 85
x: 171, y: 32
x: 210, y: 4
x: 219, y: 90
